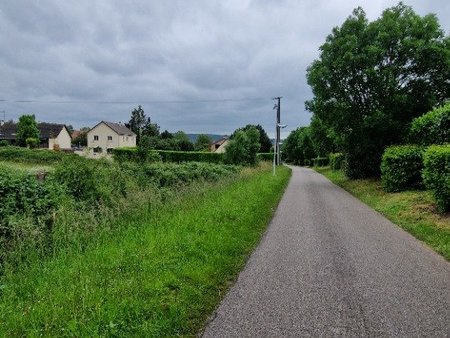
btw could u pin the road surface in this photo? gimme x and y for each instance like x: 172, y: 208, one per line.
x: 330, y: 266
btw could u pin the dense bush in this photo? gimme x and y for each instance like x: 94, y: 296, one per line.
x: 243, y: 148
x: 432, y: 127
x: 401, y: 168
x: 436, y: 174
x: 265, y: 156
x: 336, y: 160
x: 307, y: 162
x: 321, y: 161
x: 38, y: 156
x: 4, y: 143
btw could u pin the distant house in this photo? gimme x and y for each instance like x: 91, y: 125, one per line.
x: 106, y: 136
x: 51, y: 135
x: 220, y: 145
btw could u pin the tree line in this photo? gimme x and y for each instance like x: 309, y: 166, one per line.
x: 369, y: 82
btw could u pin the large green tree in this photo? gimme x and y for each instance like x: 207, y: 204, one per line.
x: 373, y: 78
x: 298, y: 146
x: 264, y: 139
x: 202, y: 142
x: 142, y: 125
x: 243, y: 148
x: 26, y: 129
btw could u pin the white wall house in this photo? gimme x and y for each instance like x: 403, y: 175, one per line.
x: 109, y: 135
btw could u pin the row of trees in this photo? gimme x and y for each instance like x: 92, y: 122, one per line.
x: 370, y: 81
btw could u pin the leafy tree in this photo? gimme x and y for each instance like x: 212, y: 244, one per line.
x: 81, y: 139
x: 298, y: 146
x: 166, y: 135
x: 141, y: 125
x: 26, y: 128
x: 373, y: 78
x: 264, y: 139
x: 182, y: 141
x: 243, y: 148
x: 322, y: 137
x: 202, y: 143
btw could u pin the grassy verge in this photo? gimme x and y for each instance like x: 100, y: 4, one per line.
x: 413, y: 210
x: 162, y: 276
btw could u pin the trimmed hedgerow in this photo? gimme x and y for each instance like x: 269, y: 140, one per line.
x: 432, y: 127
x: 336, y: 161
x: 38, y: 156
x: 320, y: 161
x: 401, y: 168
x: 436, y: 174
x: 132, y: 154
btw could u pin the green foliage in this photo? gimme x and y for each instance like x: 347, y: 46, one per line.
x: 142, y: 125
x: 81, y: 139
x: 131, y: 154
x: 321, y: 161
x: 202, y: 143
x: 323, y: 139
x: 243, y: 148
x: 32, y: 142
x: 265, y: 156
x: 26, y: 128
x: 436, y: 174
x: 401, y: 168
x: 4, y: 143
x: 432, y: 127
x: 373, y: 78
x: 298, y: 146
x: 264, y: 140
x: 182, y: 141
x: 160, y: 274
x: 36, y: 156
x: 336, y: 160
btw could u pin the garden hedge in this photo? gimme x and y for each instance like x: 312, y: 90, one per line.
x: 320, y: 161
x: 38, y: 156
x: 432, y: 127
x: 336, y: 161
x: 132, y: 154
x: 436, y: 174
x: 401, y: 168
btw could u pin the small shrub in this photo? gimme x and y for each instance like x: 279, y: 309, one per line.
x: 336, y: 160
x: 307, y: 163
x: 401, y: 168
x: 321, y: 161
x: 432, y: 127
x: 436, y: 174
x: 4, y: 143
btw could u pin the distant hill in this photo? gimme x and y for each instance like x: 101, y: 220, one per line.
x: 214, y: 137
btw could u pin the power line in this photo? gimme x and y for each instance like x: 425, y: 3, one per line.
x: 134, y: 101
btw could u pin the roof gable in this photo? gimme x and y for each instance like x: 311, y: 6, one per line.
x: 119, y: 129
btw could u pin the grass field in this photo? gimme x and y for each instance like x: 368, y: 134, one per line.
x: 413, y: 210
x: 163, y: 275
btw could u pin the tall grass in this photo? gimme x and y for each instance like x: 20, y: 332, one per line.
x: 160, y: 273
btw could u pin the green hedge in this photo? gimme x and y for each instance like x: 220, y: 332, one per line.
x: 401, y: 168
x: 265, y: 156
x: 336, y: 160
x: 320, y: 161
x: 432, y: 127
x: 132, y: 154
x: 307, y: 163
x: 38, y: 156
x: 436, y: 174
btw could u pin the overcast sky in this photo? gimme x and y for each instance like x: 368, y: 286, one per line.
x: 197, y: 66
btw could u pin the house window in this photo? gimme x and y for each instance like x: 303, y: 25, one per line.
x: 127, y: 138
x: 109, y: 138
x: 95, y: 137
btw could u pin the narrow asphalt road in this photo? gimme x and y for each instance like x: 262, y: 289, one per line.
x: 330, y: 266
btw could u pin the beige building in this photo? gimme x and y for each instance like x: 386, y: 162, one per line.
x: 220, y: 145
x: 108, y: 135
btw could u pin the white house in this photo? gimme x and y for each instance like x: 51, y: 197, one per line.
x: 220, y: 145
x: 108, y: 135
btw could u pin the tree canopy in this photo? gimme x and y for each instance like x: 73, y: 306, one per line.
x: 243, y: 148
x: 202, y: 143
x: 264, y: 139
x: 373, y: 78
x: 27, y: 129
x: 142, y: 125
